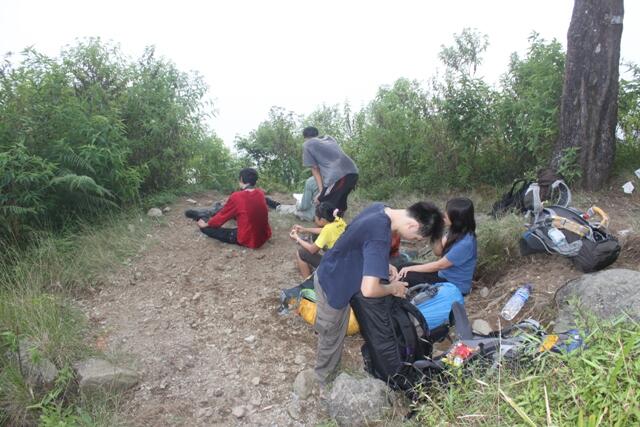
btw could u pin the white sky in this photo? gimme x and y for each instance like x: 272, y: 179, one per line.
x: 296, y: 54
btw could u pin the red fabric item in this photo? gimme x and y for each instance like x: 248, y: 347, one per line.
x: 395, y: 245
x: 249, y: 209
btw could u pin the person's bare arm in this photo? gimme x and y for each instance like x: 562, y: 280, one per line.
x: 310, y: 247
x: 371, y: 288
x: 312, y: 230
x: 430, y: 267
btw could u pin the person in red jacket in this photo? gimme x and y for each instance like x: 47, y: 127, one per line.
x: 249, y: 208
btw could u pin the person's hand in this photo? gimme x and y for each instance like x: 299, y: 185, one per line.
x: 202, y: 224
x: 294, y: 235
x: 403, y: 272
x: 298, y: 228
x: 399, y: 289
x: 316, y: 200
x: 393, y: 273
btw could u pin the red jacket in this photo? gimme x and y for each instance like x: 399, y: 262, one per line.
x: 249, y: 209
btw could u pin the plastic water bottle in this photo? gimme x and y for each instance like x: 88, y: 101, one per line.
x: 556, y: 236
x: 515, y: 303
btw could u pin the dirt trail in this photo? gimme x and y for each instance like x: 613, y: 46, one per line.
x: 197, y: 318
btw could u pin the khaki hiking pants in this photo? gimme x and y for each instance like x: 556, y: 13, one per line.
x: 331, y: 326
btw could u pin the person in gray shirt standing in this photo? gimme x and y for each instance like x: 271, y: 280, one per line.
x: 335, y: 173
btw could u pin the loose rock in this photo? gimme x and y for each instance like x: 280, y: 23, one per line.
x: 154, y: 213
x: 304, y: 383
x: 41, y: 373
x: 481, y: 326
x: 238, y: 411
x: 358, y: 402
x: 97, y: 374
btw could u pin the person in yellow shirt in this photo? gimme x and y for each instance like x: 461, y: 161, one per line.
x: 330, y: 228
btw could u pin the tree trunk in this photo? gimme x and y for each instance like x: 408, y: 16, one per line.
x: 589, y: 106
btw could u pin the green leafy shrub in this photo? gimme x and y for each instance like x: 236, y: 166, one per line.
x: 92, y: 130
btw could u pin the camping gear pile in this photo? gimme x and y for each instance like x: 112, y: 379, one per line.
x: 398, y: 347
x: 554, y: 227
x: 580, y: 236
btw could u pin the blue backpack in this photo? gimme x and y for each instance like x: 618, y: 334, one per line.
x: 435, y: 302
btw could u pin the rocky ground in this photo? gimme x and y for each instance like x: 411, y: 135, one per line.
x: 197, y: 319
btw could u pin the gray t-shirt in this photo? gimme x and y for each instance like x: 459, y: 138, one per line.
x: 325, y: 153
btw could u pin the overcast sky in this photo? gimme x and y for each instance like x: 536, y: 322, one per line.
x: 296, y: 54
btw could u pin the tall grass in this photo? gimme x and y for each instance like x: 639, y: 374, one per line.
x: 498, y: 245
x: 35, y: 308
x: 597, y: 385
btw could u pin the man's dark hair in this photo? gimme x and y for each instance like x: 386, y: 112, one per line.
x: 310, y: 132
x: 430, y: 219
x: 249, y: 176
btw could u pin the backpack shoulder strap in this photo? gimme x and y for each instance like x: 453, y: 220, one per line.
x: 410, y: 330
x: 463, y: 327
x: 510, y: 199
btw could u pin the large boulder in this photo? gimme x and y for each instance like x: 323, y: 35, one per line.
x: 99, y: 375
x: 607, y: 294
x: 358, y: 401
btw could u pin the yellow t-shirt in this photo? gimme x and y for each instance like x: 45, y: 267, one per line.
x: 330, y: 233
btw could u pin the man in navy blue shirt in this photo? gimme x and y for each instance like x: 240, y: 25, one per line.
x: 359, y: 261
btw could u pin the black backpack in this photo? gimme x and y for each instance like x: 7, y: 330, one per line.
x: 395, y: 336
x: 512, y: 199
x: 526, y: 195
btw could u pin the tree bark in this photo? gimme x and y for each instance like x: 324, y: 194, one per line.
x: 589, y: 105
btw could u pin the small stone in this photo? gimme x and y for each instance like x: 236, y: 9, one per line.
x: 154, y: 213
x: 255, y: 380
x: 238, y: 411
x: 481, y: 326
x: 196, y: 297
x: 204, y: 412
x: 299, y: 360
x: 218, y: 392
x: 167, y: 209
x: 131, y: 228
x: 256, y: 401
x: 484, y: 292
x: 282, y: 368
x: 293, y: 409
x: 250, y: 339
x: 192, y: 202
x: 137, y: 275
x: 304, y: 383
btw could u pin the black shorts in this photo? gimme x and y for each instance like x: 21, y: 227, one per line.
x: 340, y: 191
x: 311, y: 259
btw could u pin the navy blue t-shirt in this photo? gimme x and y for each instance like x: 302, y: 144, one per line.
x: 362, y: 250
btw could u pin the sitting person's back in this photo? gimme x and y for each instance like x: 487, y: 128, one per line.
x: 249, y: 208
